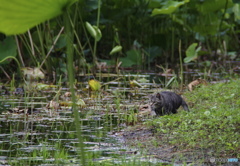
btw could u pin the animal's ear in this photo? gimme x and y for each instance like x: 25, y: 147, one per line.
x: 158, y: 95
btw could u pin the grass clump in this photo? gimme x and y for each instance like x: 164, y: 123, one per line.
x: 212, y: 125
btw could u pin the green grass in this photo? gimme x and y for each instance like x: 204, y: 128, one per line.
x: 213, y: 124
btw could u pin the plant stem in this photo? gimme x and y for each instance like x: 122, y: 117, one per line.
x: 52, y: 47
x: 181, y: 64
x: 31, y: 43
x: 69, y: 34
x: 95, y: 42
x: 19, y: 51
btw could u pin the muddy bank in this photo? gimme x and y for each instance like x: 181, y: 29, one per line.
x: 148, y: 141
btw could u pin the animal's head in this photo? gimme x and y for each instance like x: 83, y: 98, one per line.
x: 155, y: 100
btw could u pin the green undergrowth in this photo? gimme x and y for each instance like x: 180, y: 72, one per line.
x: 212, y: 125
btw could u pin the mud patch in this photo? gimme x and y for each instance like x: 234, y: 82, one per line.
x: 153, y: 144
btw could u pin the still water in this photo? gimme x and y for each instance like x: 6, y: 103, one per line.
x: 31, y: 133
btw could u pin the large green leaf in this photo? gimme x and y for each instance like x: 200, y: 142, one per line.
x: 8, y: 49
x: 169, y: 7
x: 209, y: 6
x: 133, y: 57
x: 192, y: 53
x: 17, y: 16
x: 208, y: 24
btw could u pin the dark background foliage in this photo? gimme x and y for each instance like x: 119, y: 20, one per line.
x: 147, y: 39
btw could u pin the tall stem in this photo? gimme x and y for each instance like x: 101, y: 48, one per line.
x: 181, y: 64
x: 69, y: 34
x: 95, y: 42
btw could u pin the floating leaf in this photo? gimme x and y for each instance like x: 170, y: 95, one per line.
x: 79, y: 102
x: 18, y: 16
x: 41, y: 86
x: 94, y: 85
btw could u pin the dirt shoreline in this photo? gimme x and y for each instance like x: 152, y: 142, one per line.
x: 144, y: 138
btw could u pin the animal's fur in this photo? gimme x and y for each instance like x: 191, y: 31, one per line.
x: 166, y: 103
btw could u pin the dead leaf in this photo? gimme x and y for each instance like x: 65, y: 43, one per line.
x: 196, y: 82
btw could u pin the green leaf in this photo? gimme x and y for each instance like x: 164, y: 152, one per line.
x: 94, y: 31
x: 116, y: 49
x: 91, y: 30
x: 8, y: 49
x: 207, y: 24
x: 94, y: 85
x: 192, y: 53
x: 209, y: 6
x: 171, y: 81
x: 133, y: 57
x: 169, y: 7
x: 98, y: 33
x: 18, y: 16
x: 61, y: 43
x: 154, y: 3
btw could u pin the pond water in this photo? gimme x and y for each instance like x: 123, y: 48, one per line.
x: 47, y: 136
